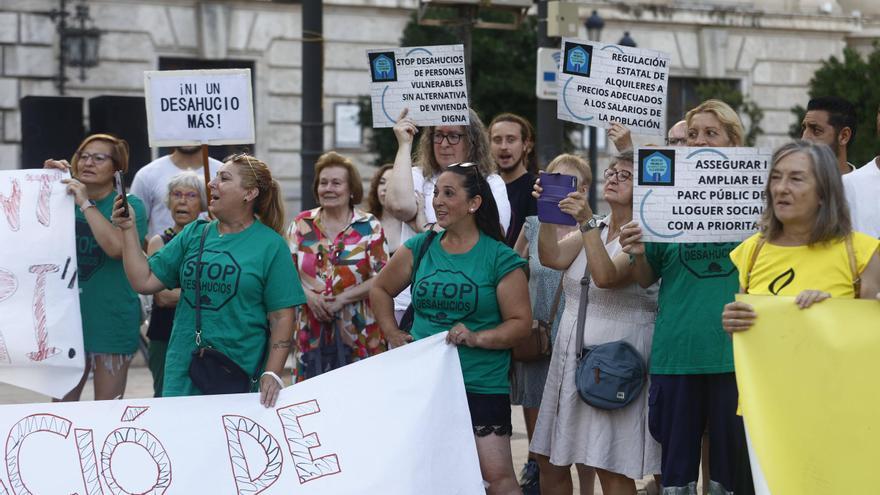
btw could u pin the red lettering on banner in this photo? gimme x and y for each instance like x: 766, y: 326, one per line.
x: 18, y: 434
x: 43, y: 212
x: 308, y: 467
x: 148, y: 442
x: 85, y: 446
x: 244, y: 482
x: 43, y: 349
x: 12, y: 206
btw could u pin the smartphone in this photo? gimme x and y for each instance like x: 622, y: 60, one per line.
x: 120, y: 190
x: 556, y: 188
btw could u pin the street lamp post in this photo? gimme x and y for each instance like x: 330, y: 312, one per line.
x: 78, y: 44
x: 594, y: 25
x: 627, y: 40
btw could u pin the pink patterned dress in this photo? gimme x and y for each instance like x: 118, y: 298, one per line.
x: 330, y: 266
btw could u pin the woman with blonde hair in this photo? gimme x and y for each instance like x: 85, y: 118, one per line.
x: 111, y: 313
x: 338, y: 250
x: 240, y: 266
x: 692, y: 381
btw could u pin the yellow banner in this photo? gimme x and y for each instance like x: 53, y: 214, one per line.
x: 809, y: 391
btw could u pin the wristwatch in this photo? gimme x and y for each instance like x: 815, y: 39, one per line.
x: 86, y: 205
x: 589, y: 225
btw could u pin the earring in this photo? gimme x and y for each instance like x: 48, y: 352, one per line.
x: 471, y: 210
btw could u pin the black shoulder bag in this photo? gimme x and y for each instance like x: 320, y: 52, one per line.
x: 406, y: 321
x: 210, y: 370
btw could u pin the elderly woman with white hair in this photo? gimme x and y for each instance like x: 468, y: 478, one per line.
x: 185, y: 201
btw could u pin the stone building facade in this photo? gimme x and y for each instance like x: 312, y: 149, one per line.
x: 769, y: 48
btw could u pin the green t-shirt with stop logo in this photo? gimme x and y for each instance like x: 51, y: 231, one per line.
x: 461, y: 288
x: 244, y: 276
x: 697, y: 280
x: 111, y: 310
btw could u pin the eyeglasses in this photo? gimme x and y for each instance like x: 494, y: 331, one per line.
x: 96, y: 158
x: 189, y: 196
x: 676, y: 141
x: 619, y: 175
x: 452, y: 139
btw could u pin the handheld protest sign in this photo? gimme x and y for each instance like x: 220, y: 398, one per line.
x: 428, y: 80
x: 600, y: 83
x: 41, y: 339
x: 699, y: 194
x: 199, y: 107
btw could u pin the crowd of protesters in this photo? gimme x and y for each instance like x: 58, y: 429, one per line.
x: 458, y: 206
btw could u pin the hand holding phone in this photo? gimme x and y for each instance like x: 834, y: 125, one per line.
x: 120, y: 190
x: 555, y: 188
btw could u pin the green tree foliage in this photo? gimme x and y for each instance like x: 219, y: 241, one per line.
x: 857, y: 80
x: 741, y: 104
x: 502, y: 75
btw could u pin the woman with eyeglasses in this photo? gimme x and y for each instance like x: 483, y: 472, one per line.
x: 185, y: 201
x: 415, y: 175
x: 247, y: 282
x: 615, y: 443
x: 693, y: 385
x: 481, y: 306
x: 338, y: 250
x: 111, y: 311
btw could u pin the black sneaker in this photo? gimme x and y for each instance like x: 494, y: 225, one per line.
x: 529, y: 478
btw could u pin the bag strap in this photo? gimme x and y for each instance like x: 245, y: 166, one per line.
x: 856, y: 278
x: 761, y: 242
x: 556, y: 297
x: 582, y: 312
x: 422, y: 250
x: 199, y: 285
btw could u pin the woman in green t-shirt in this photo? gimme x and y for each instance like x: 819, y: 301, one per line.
x: 466, y: 283
x: 111, y: 311
x: 247, y: 280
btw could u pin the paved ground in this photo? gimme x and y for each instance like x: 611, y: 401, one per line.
x: 140, y: 384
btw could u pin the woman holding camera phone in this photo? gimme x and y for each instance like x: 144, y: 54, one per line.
x: 111, y: 312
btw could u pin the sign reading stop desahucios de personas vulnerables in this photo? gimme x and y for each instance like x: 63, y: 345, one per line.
x: 699, y: 194
x: 428, y: 80
x: 602, y: 83
x: 195, y: 107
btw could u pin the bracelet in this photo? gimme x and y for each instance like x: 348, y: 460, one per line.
x: 86, y: 205
x: 275, y: 376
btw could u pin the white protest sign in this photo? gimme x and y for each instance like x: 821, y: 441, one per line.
x: 428, y: 80
x: 600, y: 83
x: 194, y: 107
x: 699, y: 194
x: 41, y: 339
x: 396, y: 424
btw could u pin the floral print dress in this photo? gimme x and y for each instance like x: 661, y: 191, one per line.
x: 330, y: 266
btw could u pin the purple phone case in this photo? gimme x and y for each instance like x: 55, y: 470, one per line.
x: 556, y: 187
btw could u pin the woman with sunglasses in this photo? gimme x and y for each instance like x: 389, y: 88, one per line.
x: 248, y: 284
x: 111, y: 311
x: 481, y: 306
x: 615, y: 443
x: 185, y: 201
x: 338, y: 250
x: 414, y: 176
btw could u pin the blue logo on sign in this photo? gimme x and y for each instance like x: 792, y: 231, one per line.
x: 382, y: 67
x: 577, y: 59
x: 657, y: 167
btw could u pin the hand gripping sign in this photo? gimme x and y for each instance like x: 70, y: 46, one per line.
x: 601, y: 83
x: 428, y: 80
x: 342, y: 433
x: 199, y: 107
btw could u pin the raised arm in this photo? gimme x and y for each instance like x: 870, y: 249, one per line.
x: 631, y: 241
x: 400, y: 199
x: 137, y: 270
x: 164, y: 298
x: 553, y: 252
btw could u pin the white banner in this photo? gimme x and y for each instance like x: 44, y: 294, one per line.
x: 429, y: 80
x: 41, y: 340
x: 699, y: 194
x: 600, y: 83
x: 395, y: 424
x: 193, y: 107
